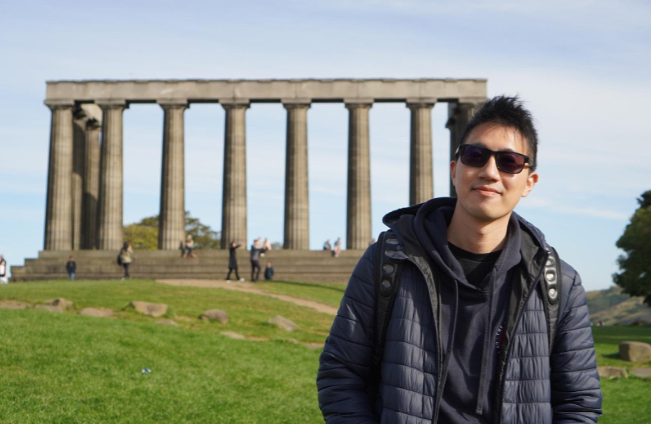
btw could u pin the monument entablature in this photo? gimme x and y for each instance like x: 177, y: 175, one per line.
x: 266, y: 91
x: 85, y: 176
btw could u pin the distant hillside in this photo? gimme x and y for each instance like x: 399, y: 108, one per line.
x: 614, y: 307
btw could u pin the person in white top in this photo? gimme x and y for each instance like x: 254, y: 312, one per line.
x: 3, y: 270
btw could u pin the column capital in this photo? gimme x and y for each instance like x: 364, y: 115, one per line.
x: 235, y: 103
x: 112, y: 103
x: 59, y: 103
x: 360, y: 103
x: 296, y: 103
x: 173, y: 103
x: 422, y: 102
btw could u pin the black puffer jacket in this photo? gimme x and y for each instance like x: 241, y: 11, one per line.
x: 532, y: 386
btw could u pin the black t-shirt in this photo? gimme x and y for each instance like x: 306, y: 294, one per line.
x: 476, y: 266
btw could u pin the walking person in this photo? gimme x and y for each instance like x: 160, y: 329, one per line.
x: 3, y: 270
x: 461, y: 312
x: 126, y: 257
x: 71, y: 267
x: 256, y: 252
x: 232, y: 262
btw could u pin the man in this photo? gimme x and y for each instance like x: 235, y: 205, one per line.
x: 467, y: 338
x: 256, y: 251
x: 71, y: 267
x: 232, y: 262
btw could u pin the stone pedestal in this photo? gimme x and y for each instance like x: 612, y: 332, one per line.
x: 234, y: 193
x: 109, y: 231
x: 58, y: 212
x: 459, y: 115
x: 297, y: 223
x: 421, y: 177
x: 91, y: 185
x: 358, y: 205
x: 171, y: 231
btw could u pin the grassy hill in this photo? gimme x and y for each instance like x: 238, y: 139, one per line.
x: 614, y: 307
x: 64, y: 367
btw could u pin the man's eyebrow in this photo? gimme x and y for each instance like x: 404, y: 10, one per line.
x: 481, y: 144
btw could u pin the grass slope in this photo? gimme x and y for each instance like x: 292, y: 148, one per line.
x: 64, y: 368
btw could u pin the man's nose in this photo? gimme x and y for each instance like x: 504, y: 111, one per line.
x: 490, y: 171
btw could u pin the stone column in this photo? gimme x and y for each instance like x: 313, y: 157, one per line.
x: 459, y: 115
x: 78, y: 172
x: 58, y: 212
x: 358, y: 205
x: 234, y: 192
x: 171, y: 228
x: 91, y: 185
x: 297, y: 220
x: 109, y: 221
x: 421, y: 176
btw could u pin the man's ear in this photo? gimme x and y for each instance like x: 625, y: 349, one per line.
x: 453, y: 171
x: 532, y: 179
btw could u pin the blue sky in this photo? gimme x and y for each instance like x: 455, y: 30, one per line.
x: 582, y: 68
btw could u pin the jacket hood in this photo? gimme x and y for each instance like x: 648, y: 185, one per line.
x: 429, y: 226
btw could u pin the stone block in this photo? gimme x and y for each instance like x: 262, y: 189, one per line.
x: 612, y: 372
x: 96, y: 312
x: 49, y: 308
x: 641, y: 372
x: 283, y: 323
x: 13, y: 304
x: 635, y: 351
x: 60, y: 302
x: 152, y: 309
x: 214, y: 315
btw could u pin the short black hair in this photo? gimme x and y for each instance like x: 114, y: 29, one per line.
x: 509, y: 112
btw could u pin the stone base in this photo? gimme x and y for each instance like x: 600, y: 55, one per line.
x: 289, y: 265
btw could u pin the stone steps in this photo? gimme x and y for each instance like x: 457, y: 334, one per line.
x: 289, y: 265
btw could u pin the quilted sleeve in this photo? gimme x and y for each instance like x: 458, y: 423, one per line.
x: 576, y: 393
x: 345, y: 363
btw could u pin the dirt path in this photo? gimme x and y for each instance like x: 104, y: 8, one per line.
x: 251, y: 288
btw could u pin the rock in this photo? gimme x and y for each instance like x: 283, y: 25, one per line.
x: 284, y: 323
x: 612, y: 372
x: 60, y: 302
x: 641, y: 372
x: 233, y: 335
x: 152, y: 309
x: 95, y: 312
x: 167, y: 322
x: 214, y: 315
x: 49, y: 308
x: 13, y: 304
x: 315, y: 345
x: 635, y: 351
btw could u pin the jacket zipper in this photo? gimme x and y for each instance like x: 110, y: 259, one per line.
x: 497, y: 417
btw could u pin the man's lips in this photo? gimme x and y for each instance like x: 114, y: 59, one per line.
x: 486, y: 190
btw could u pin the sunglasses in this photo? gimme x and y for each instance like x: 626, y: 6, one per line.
x: 509, y: 162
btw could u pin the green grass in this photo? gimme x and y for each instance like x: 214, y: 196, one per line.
x: 248, y: 313
x: 64, y: 368
x: 330, y: 294
x: 607, y: 341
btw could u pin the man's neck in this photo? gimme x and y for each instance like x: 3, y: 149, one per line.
x: 476, y: 236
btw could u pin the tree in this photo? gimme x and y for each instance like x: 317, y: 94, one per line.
x: 635, y: 264
x: 143, y: 235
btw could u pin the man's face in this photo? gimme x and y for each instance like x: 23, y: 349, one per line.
x: 487, y: 193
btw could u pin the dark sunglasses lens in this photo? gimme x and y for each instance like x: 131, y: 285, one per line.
x: 512, y: 163
x: 474, y: 156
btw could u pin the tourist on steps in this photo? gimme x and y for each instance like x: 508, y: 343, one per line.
x: 232, y: 262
